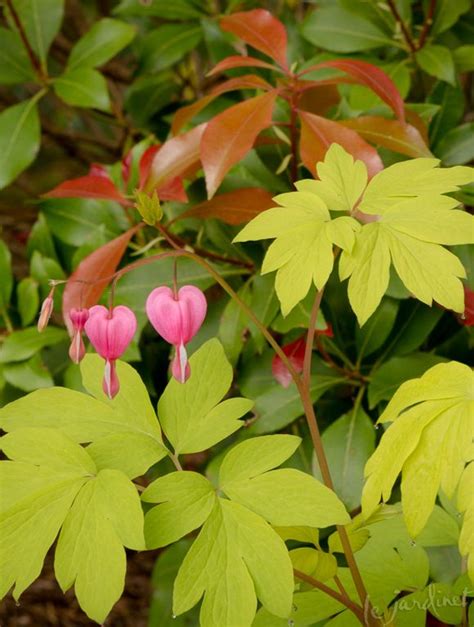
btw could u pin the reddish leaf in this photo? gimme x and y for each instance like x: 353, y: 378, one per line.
x: 261, y: 30
x: 176, y: 157
x: 173, y: 190
x: 90, y: 186
x: 317, y: 98
x: 96, y: 267
x: 126, y: 166
x: 372, y: 77
x: 234, y: 207
x: 417, y: 121
x: 317, y: 134
x: 145, y: 163
x: 183, y: 115
x: 240, y: 61
x: 391, y: 134
x: 231, y: 134
x: 168, y: 190
x: 295, y: 353
x: 468, y: 316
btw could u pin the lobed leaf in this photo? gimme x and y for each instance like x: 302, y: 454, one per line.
x: 124, y: 432
x: 192, y: 414
x: 341, y: 180
x: 255, y: 456
x: 236, y: 558
x: 465, y: 505
x: 186, y: 500
x: 428, y: 442
x: 105, y: 516
x: 419, y: 176
x: 287, y: 497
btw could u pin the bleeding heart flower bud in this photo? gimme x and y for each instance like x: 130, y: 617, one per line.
x: 295, y: 353
x: 177, y: 318
x: 110, y: 332
x: 46, y: 311
x: 78, y: 319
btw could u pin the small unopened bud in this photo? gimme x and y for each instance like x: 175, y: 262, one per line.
x: 46, y: 311
x: 78, y: 319
x: 148, y: 207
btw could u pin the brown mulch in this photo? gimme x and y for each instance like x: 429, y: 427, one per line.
x: 44, y: 605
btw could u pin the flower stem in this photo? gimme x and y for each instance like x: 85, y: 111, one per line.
x: 303, y: 389
x: 342, y: 598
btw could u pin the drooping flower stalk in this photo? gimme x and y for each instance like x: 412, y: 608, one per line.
x: 110, y: 332
x: 177, y: 317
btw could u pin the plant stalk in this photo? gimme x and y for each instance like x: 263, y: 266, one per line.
x: 342, y: 598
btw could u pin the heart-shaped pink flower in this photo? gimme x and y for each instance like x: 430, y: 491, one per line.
x: 110, y: 332
x: 177, y: 318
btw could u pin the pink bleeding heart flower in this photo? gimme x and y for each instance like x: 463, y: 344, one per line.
x: 110, y: 332
x: 78, y: 319
x: 177, y: 318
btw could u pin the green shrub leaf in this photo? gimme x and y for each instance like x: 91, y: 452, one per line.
x: 102, y: 42
x: 83, y: 87
x: 19, y: 139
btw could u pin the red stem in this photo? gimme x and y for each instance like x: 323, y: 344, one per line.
x: 427, y: 24
x: 404, y: 29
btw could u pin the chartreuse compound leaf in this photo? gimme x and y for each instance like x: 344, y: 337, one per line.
x: 58, y: 486
x: 406, y: 221
x: 428, y: 442
x: 302, y: 252
x: 186, y: 500
x: 124, y: 432
x: 236, y: 558
x: 342, y: 180
x: 256, y: 456
x: 465, y: 503
x: 408, y: 234
x: 192, y: 414
x: 415, y: 178
x: 105, y: 516
x: 284, y: 497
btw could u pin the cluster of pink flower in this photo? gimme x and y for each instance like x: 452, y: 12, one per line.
x: 176, y: 316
